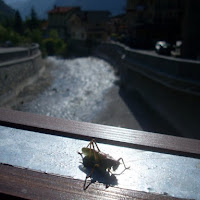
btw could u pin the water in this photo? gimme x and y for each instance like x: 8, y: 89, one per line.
x: 77, y: 90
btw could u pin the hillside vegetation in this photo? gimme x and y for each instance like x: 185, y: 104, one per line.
x: 5, y: 11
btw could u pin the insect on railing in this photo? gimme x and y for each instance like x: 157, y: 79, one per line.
x: 96, y: 159
x: 14, y: 180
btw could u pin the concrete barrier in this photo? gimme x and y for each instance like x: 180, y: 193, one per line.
x: 175, y: 73
x: 17, y: 67
x: 171, y: 86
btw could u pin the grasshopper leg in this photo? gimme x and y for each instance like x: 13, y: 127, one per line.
x: 92, y: 145
x: 89, y: 176
x: 94, y: 142
x: 123, y: 163
x: 92, y: 171
x: 125, y: 168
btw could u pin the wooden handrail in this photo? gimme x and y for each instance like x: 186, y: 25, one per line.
x: 107, y: 134
x: 29, y: 184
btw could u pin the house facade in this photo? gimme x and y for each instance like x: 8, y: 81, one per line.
x: 155, y: 19
x: 73, y: 23
x: 62, y: 19
x: 96, y: 24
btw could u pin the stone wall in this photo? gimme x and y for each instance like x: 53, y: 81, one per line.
x: 17, y: 66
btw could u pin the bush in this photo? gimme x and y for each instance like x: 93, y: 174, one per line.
x: 36, y: 36
x: 10, y: 35
x: 3, y: 34
x: 51, y: 46
x: 14, y: 37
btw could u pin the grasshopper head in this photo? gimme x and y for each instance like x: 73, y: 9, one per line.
x: 89, y: 152
x: 86, y: 151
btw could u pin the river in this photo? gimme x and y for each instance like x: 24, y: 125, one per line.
x: 76, y: 91
x: 85, y: 89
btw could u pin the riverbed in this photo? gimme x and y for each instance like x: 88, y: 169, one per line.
x: 76, y: 90
x: 85, y: 89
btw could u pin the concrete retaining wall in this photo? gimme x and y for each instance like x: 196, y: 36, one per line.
x: 171, y: 86
x: 176, y: 73
x: 17, y: 66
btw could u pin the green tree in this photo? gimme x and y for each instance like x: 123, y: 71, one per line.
x: 32, y: 22
x: 36, y: 36
x: 14, y: 37
x: 3, y: 33
x: 54, y: 34
x: 34, y: 19
x: 18, y: 23
x: 54, y: 45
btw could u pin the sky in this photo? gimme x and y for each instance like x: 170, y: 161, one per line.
x: 42, y: 6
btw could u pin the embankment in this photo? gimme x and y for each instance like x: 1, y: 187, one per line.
x: 169, y: 85
x: 19, y: 67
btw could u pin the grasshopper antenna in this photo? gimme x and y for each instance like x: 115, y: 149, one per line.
x: 80, y: 154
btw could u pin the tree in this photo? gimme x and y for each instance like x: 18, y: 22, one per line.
x: 32, y: 22
x: 54, y: 34
x: 18, y: 24
x: 3, y: 33
x: 34, y: 19
x: 54, y: 45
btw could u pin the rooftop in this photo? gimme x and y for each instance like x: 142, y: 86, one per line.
x: 57, y: 10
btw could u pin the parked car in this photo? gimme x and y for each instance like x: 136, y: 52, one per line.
x: 163, y: 47
x: 7, y: 43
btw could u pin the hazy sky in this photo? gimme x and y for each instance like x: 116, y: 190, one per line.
x: 42, y: 6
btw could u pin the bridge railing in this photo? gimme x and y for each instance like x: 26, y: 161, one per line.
x: 33, y: 146
x: 13, y: 53
x: 177, y: 73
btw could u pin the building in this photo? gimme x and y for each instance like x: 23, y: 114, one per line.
x: 118, y: 24
x: 60, y: 19
x: 171, y: 20
x: 152, y: 20
x: 191, y: 30
x: 96, y: 24
x: 73, y: 23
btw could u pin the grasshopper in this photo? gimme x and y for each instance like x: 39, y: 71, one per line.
x: 96, y: 159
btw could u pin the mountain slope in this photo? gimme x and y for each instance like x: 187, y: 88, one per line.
x: 5, y: 11
x: 24, y: 6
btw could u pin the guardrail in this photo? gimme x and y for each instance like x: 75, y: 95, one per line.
x: 176, y: 73
x: 13, y: 53
x: 170, y: 86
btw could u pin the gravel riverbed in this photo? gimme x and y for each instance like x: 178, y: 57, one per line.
x: 76, y: 89
x: 85, y: 89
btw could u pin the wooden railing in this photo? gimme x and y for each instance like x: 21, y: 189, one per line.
x: 28, y: 184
